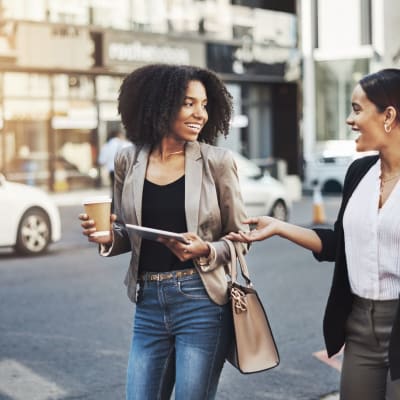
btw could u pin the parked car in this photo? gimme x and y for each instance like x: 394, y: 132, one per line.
x: 262, y: 194
x: 328, y: 172
x: 29, y: 220
x: 328, y: 167
x: 34, y: 170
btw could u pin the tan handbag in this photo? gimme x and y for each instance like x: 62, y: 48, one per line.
x: 253, y: 348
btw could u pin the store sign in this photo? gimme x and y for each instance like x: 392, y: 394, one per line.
x: 254, y: 59
x: 122, y: 51
x: 54, y: 46
x: 139, y: 52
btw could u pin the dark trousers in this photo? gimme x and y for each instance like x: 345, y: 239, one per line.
x: 365, y: 372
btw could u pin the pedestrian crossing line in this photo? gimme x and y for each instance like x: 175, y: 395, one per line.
x: 334, y: 396
x: 19, y: 382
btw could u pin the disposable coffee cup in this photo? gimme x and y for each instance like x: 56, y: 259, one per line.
x: 99, y: 210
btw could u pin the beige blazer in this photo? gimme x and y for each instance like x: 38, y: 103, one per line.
x: 213, y: 207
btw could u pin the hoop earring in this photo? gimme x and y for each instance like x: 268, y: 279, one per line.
x: 387, y: 128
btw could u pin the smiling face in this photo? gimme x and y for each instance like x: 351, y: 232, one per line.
x: 192, y: 115
x: 367, y: 121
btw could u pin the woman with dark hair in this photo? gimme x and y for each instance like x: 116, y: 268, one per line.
x: 363, y: 307
x: 174, y: 179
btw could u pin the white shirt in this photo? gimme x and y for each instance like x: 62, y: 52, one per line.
x: 372, y: 239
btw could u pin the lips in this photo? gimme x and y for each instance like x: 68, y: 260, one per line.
x: 194, y: 126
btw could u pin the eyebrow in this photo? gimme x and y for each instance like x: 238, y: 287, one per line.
x: 194, y: 98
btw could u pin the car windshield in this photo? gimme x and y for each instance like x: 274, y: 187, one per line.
x: 246, y: 167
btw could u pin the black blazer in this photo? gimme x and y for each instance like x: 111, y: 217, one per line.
x: 340, y: 298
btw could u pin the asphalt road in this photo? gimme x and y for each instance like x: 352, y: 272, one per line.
x: 65, y: 321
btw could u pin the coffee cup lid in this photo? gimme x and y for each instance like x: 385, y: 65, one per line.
x: 97, y: 199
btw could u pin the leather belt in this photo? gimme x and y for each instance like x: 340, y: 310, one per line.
x: 162, y: 276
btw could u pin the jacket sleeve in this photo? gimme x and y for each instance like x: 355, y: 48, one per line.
x: 231, y: 209
x: 328, y: 238
x: 121, y: 243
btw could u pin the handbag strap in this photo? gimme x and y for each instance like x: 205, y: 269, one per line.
x: 236, y: 254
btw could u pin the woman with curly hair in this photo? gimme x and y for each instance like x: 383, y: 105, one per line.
x: 174, y: 179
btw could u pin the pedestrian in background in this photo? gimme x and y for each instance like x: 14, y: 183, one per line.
x: 363, y: 307
x: 116, y: 139
x: 173, y: 178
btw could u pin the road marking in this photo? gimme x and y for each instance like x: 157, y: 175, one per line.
x: 334, y: 396
x: 334, y: 362
x: 19, y: 383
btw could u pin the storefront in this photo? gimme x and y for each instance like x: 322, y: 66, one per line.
x: 59, y: 86
x: 58, y: 104
x: 264, y: 82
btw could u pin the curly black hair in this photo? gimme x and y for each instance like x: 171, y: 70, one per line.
x: 150, y: 98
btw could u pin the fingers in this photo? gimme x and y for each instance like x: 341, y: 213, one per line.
x: 252, y: 220
x: 83, y: 217
x: 184, y: 251
x: 239, y: 237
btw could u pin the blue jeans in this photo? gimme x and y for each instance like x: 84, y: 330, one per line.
x: 180, y: 337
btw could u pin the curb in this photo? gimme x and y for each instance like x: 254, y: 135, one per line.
x: 76, y: 198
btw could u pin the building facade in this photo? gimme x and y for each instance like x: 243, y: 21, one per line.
x: 62, y: 62
x: 341, y: 41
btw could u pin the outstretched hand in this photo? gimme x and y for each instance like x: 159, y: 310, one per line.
x: 265, y: 227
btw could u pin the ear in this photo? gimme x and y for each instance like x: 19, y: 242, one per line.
x: 390, y: 115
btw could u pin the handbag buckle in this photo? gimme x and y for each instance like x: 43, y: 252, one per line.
x: 239, y: 300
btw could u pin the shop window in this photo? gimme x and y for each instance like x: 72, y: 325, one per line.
x: 25, y: 9
x: 335, y: 81
x: 74, y: 129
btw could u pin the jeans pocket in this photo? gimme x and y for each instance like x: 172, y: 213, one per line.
x: 139, y: 292
x: 193, y: 289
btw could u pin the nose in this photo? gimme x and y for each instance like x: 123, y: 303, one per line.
x: 200, y: 112
x: 350, y: 119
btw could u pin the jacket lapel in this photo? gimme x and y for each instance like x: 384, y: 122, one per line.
x: 193, y: 184
x: 139, y: 175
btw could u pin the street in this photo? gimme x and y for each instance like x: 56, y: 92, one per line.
x: 65, y: 320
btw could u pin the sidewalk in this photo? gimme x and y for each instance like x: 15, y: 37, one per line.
x: 75, y: 198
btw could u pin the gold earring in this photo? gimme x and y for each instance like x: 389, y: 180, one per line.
x: 387, y: 128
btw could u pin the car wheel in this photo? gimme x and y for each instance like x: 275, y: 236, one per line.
x: 332, y: 187
x: 279, y: 211
x: 33, y: 234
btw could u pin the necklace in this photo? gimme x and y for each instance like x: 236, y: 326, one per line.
x: 388, y: 179
x: 382, y: 184
x: 175, y: 152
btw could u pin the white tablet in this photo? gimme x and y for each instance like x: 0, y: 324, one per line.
x: 154, y: 234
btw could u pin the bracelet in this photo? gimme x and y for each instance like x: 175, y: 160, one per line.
x: 204, y: 261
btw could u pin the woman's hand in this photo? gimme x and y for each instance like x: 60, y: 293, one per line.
x: 89, y: 227
x: 195, y: 247
x: 265, y: 228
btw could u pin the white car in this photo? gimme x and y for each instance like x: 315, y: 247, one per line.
x: 327, y: 169
x: 327, y: 172
x: 262, y: 194
x: 29, y: 219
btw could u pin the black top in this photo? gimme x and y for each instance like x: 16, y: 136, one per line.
x: 163, y: 208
